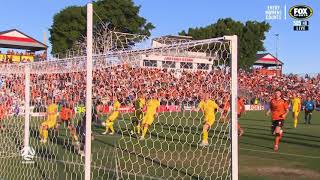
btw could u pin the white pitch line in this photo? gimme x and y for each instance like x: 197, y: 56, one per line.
x: 288, y: 154
x: 98, y: 167
x: 12, y: 156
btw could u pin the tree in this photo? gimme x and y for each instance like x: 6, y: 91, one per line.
x: 69, y: 25
x: 250, y: 34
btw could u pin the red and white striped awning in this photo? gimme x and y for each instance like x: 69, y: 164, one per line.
x: 267, y: 59
x: 15, y: 39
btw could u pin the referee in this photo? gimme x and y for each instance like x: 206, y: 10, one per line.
x: 309, y: 106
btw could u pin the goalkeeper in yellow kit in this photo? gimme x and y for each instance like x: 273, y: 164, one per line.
x: 113, y: 116
x: 296, y: 107
x: 51, y: 121
x: 209, y: 109
x: 139, y: 104
x: 152, y: 105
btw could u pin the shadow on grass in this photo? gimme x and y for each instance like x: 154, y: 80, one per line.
x: 257, y: 145
x: 284, y: 140
x: 182, y: 172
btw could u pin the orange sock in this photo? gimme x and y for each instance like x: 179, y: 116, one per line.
x: 277, y: 140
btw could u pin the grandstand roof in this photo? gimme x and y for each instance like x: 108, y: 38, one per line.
x: 267, y: 59
x: 16, y: 39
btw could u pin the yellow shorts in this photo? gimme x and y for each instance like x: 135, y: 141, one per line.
x: 113, y: 116
x: 209, y: 120
x: 295, y: 113
x: 139, y: 114
x: 109, y: 123
x: 148, y: 119
x: 49, y: 124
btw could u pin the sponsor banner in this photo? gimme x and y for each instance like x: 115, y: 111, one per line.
x: 188, y: 108
x: 254, y: 107
x: 169, y: 109
x: 27, y: 58
x: 129, y: 109
x: 3, y: 57
x: 126, y: 109
x: 14, y: 58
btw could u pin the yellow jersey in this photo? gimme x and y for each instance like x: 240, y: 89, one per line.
x: 208, y: 107
x: 116, y: 106
x: 52, y: 111
x: 152, y: 106
x: 295, y: 102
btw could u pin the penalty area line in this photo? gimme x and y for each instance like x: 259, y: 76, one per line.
x: 98, y: 167
x: 287, y: 154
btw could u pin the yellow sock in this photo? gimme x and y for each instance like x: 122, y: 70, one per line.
x: 144, y: 132
x: 295, y: 122
x: 138, y: 129
x: 111, y: 128
x: 45, y: 135
x: 205, y: 136
x: 41, y: 133
x: 107, y: 126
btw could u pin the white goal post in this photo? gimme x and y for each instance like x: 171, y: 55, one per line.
x: 234, y: 108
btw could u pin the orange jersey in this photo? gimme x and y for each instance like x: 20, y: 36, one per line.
x: 278, y: 109
x: 66, y: 114
x: 2, y: 112
x: 226, y: 106
x: 240, y: 106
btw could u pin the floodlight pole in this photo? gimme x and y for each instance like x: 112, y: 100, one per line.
x: 87, y: 172
x: 277, y: 41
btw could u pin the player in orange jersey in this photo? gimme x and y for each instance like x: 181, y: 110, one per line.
x: 279, y: 110
x: 241, y: 110
x: 3, y: 113
x: 65, y: 116
x: 225, y: 109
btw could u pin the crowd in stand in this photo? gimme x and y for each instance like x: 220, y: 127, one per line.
x: 171, y: 87
x: 125, y: 82
x: 260, y: 87
x: 12, y: 52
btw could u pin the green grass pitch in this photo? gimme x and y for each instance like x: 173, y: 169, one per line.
x: 171, y: 151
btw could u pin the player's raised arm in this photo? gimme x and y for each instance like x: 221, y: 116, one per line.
x: 199, y: 107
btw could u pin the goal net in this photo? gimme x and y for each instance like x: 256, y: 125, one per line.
x: 188, y: 135
x: 162, y: 112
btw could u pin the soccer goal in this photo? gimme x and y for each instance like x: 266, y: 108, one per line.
x: 119, y: 111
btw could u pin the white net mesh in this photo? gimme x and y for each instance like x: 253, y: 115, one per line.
x: 159, y: 113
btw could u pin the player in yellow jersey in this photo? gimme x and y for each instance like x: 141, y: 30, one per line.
x: 139, y: 104
x: 296, y: 107
x: 113, y: 116
x: 152, y: 105
x: 51, y: 121
x: 209, y: 108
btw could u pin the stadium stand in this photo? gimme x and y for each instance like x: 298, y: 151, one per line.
x: 173, y: 88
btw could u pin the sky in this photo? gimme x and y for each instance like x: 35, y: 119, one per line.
x: 298, y: 50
